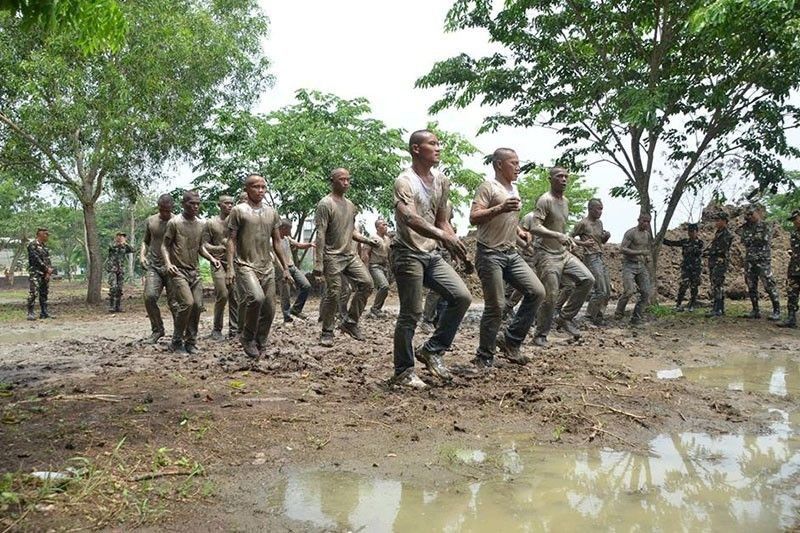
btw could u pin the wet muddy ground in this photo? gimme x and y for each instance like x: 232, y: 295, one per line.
x: 314, y: 439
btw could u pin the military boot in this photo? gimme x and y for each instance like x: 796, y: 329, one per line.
x: 790, y: 322
x: 44, y: 312
x: 118, y: 304
x: 31, y: 314
x: 776, y: 312
x: 755, y: 313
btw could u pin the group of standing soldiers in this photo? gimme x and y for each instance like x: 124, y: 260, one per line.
x: 529, y: 260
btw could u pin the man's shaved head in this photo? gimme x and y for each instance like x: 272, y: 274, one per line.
x: 419, y: 137
x: 225, y: 198
x: 557, y: 170
x: 501, y: 154
x: 189, y: 196
x: 166, y: 200
x: 593, y: 202
x: 253, y: 178
x: 337, y: 171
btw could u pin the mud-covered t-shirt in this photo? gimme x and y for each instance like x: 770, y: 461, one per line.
x: 335, y: 221
x: 184, y: 237
x: 499, y: 233
x: 253, y: 227
x: 636, y: 240
x: 427, y: 201
x: 287, y: 243
x: 153, y: 236
x: 379, y: 255
x: 527, y: 224
x: 216, y: 234
x: 591, y: 232
x: 552, y: 213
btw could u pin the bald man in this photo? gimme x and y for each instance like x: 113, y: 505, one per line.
x: 215, y: 240
x: 378, y: 261
x: 335, y: 256
x: 181, y: 246
x: 420, y: 204
x: 555, y: 260
x: 155, y: 277
x: 495, y: 212
x: 253, y: 235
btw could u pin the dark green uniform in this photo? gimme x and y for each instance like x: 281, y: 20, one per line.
x: 691, y: 268
x: 115, y: 267
x: 756, y: 238
x: 793, y: 278
x: 718, y: 252
x: 38, y: 276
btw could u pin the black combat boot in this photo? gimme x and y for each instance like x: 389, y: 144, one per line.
x: 693, y: 300
x: 44, y: 312
x: 755, y: 313
x: 118, y: 304
x: 790, y: 322
x: 679, y: 300
x: 776, y: 311
x: 31, y: 314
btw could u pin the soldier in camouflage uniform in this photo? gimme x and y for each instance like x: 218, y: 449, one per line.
x: 793, y: 273
x: 115, y: 266
x: 756, y: 236
x: 39, y: 271
x: 717, y: 252
x: 691, y: 266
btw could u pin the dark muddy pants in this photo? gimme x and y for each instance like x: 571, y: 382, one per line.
x: 256, y: 293
x: 186, y: 292
x: 414, y: 271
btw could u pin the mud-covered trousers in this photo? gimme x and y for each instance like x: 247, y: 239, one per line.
x: 413, y: 272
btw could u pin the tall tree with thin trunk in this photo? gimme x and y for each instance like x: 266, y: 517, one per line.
x: 641, y: 85
x: 86, y: 124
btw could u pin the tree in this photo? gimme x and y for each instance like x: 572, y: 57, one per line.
x: 296, y: 147
x: 96, y: 24
x: 781, y: 204
x: 86, y: 125
x: 639, y: 84
x: 464, y: 181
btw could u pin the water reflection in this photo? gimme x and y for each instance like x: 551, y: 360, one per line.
x: 690, y: 482
x: 775, y: 374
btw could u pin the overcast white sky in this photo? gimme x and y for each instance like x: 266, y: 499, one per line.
x: 377, y: 49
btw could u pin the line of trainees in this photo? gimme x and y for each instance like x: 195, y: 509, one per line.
x: 529, y: 275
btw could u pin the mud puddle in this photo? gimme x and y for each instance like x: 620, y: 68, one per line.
x: 688, y: 481
x: 777, y: 374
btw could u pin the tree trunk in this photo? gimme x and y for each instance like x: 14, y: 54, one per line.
x: 132, y: 242
x: 95, y: 262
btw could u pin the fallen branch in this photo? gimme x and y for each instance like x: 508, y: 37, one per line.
x: 112, y: 398
x: 612, y: 409
x: 165, y: 473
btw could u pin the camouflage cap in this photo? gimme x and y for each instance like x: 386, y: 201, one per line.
x: 691, y: 227
x: 794, y: 215
x: 121, y: 233
x: 752, y: 208
x: 721, y: 215
x: 42, y: 229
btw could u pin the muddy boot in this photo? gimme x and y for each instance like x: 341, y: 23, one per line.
x: 692, y: 302
x: 510, y: 352
x: 153, y: 338
x: 352, y: 329
x: 790, y: 322
x: 433, y: 362
x: 326, y: 339
x: 776, y: 312
x: 31, y: 314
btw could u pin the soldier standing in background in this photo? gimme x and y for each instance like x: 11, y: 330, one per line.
x: 718, y: 253
x: 39, y: 271
x: 592, y: 237
x: 115, y: 266
x: 691, y: 266
x: 182, y: 243
x: 299, y: 277
x: 215, y: 241
x: 378, y: 261
x: 636, y: 247
x: 756, y: 236
x: 155, y: 277
x: 793, y: 273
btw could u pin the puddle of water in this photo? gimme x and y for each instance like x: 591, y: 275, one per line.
x: 774, y: 374
x: 689, y: 482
